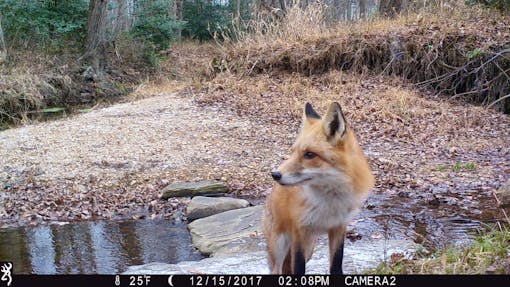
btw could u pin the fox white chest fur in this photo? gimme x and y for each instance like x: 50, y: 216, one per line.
x: 328, y: 206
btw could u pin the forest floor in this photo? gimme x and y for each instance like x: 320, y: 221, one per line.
x: 113, y: 162
x: 431, y: 157
x: 233, y: 118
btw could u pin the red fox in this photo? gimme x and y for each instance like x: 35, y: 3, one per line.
x: 317, y: 190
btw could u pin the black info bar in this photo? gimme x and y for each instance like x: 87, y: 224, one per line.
x: 254, y: 280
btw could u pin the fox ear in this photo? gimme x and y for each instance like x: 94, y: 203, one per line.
x: 310, y: 113
x: 334, y: 121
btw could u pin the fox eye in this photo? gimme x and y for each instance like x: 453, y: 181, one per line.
x: 309, y: 155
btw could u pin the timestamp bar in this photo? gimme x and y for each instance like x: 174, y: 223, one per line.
x: 255, y: 280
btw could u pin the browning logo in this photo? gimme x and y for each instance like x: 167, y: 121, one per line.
x: 6, y: 269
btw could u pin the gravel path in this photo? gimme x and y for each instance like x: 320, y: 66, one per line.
x: 118, y: 158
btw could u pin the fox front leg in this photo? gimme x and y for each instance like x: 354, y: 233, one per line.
x: 302, y: 244
x: 336, y: 250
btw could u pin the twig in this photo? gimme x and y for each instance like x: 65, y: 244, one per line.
x: 431, y: 62
x: 502, y: 71
x: 459, y: 69
x: 468, y: 93
x: 391, y: 61
x: 498, y: 100
x: 438, y: 78
x: 7, y: 115
x: 253, y: 66
x: 491, y: 59
x: 451, y: 67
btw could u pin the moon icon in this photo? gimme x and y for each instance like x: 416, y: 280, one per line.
x: 170, y: 280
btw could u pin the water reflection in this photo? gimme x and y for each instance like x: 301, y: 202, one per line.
x: 41, y: 249
x: 94, y: 247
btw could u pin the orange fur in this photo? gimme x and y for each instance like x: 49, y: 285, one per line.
x: 323, y: 183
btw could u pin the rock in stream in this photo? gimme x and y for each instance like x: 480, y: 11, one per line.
x: 359, y: 256
x: 180, y: 189
x: 235, y: 243
x: 202, y: 206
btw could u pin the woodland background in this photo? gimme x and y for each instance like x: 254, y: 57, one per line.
x: 62, y: 55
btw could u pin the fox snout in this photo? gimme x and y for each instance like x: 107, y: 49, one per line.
x: 291, y: 179
x: 276, y: 175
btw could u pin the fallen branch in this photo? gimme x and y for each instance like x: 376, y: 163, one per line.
x: 498, y: 100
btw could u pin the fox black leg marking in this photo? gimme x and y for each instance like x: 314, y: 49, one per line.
x: 299, y: 262
x: 336, y: 264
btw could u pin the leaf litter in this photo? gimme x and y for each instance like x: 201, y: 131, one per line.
x: 113, y: 162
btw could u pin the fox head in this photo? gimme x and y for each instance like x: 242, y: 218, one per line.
x: 326, y: 151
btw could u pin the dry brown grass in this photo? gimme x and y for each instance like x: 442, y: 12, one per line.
x: 186, y: 64
x: 28, y: 84
x: 35, y: 80
x: 190, y: 61
x: 452, y: 49
x: 21, y: 92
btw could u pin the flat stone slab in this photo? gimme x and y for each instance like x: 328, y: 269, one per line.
x: 236, y: 245
x: 241, y: 246
x: 359, y: 257
x: 202, y: 206
x: 211, y: 233
x: 180, y: 189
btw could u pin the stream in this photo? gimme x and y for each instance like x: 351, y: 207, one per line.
x: 105, y: 247
x: 110, y: 247
x: 436, y: 224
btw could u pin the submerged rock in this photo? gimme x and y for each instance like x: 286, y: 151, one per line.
x: 202, y: 206
x: 180, y: 189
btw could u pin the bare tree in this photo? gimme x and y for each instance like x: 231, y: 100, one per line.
x: 178, y: 16
x: 348, y: 10
x: 122, y: 19
x: 3, y: 47
x: 283, y: 6
x: 336, y: 10
x: 95, y: 45
x: 362, y: 9
x: 238, y: 10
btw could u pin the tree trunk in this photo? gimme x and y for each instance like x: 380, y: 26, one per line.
x: 132, y: 6
x: 362, y: 9
x: 238, y: 9
x: 122, y: 21
x: 336, y: 11
x: 283, y: 6
x: 178, y: 16
x: 303, y: 4
x: 95, y: 46
x: 3, y: 47
x: 390, y: 8
x: 348, y: 10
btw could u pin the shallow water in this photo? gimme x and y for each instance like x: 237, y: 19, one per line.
x: 109, y: 247
x: 104, y: 247
x: 433, y: 226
